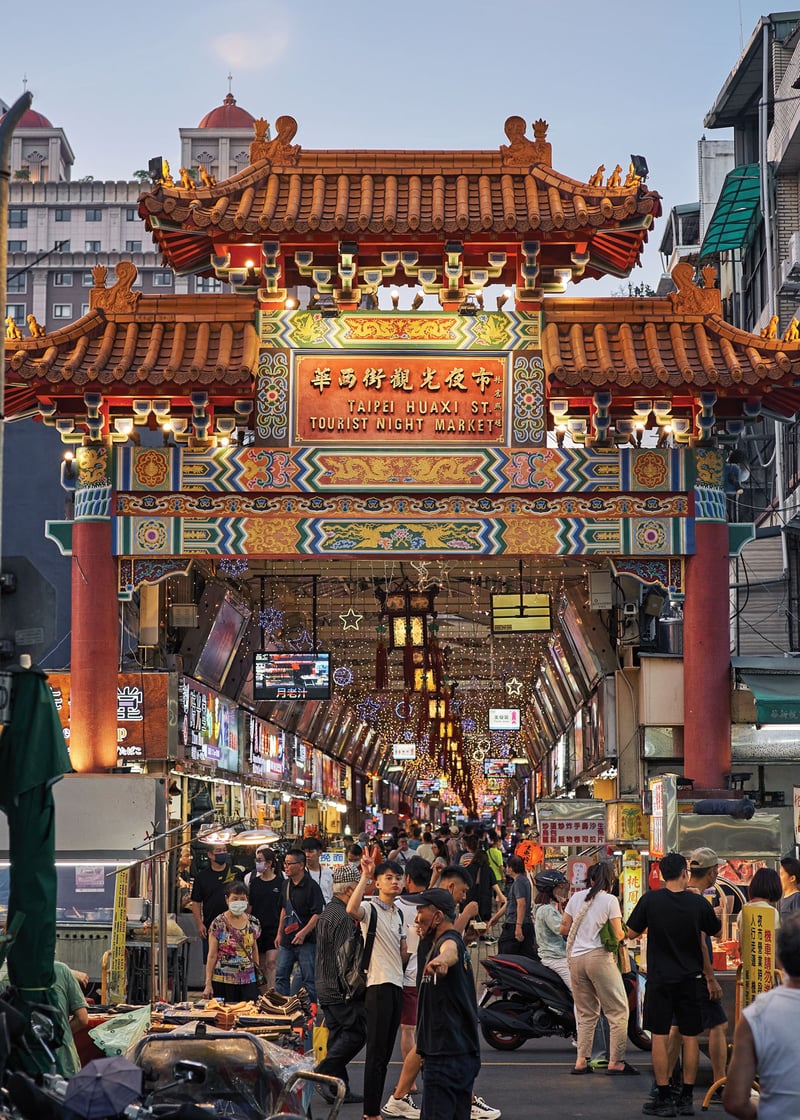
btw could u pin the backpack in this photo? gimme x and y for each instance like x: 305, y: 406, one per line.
x: 353, y: 957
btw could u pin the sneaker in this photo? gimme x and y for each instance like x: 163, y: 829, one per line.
x: 685, y: 1105
x: 483, y: 1111
x: 658, y: 1106
x: 401, y: 1106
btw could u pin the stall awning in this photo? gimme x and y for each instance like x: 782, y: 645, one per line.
x: 776, y: 689
x: 737, y: 212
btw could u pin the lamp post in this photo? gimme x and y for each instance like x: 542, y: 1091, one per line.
x: 7, y: 126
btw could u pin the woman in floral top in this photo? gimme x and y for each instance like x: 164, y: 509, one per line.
x: 233, y: 949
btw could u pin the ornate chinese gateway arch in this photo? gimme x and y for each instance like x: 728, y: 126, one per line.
x: 338, y: 429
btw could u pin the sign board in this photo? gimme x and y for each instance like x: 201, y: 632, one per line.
x: 342, y: 397
x: 625, y: 822
x: 404, y: 751
x: 758, y: 950
x: 796, y: 813
x: 583, y: 834
x: 521, y: 614
x: 498, y: 768
x: 504, y: 719
x: 429, y: 785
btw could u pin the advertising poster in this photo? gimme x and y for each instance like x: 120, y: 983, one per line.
x: 758, y: 950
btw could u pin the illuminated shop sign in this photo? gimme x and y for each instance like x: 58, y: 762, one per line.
x: 208, y: 726
x: 399, y: 398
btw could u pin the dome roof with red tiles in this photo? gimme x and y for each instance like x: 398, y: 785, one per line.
x: 227, y: 115
x: 31, y: 119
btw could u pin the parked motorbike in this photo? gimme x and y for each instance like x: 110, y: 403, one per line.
x: 524, y: 999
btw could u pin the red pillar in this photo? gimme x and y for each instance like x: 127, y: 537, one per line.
x: 93, y: 672
x: 706, y: 659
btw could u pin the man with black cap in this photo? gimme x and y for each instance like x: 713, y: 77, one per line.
x: 346, y: 1019
x: 447, y: 1013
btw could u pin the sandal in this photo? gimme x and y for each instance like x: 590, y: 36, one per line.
x: 579, y: 1072
x: 626, y: 1071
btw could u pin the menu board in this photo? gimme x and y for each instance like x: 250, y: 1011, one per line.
x: 584, y: 833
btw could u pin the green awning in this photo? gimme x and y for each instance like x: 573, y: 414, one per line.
x: 777, y: 695
x: 737, y: 212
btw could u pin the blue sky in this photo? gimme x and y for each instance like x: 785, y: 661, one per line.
x: 611, y: 79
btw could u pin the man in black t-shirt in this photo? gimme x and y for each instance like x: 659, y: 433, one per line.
x: 296, y: 940
x: 675, y: 920
x: 208, y: 892
x: 447, y: 1013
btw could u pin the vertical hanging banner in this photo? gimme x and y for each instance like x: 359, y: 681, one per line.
x: 117, y: 979
x: 758, y: 950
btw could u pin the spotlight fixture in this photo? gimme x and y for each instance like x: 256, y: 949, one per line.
x: 561, y: 431
x: 639, y: 430
x: 469, y: 307
x: 395, y: 298
x: 155, y: 169
x: 417, y: 301
x: 640, y: 168
x: 503, y: 299
x: 290, y: 304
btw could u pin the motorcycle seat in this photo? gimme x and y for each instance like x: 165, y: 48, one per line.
x: 533, y: 968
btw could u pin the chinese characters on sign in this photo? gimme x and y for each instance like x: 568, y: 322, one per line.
x: 402, y: 398
x: 559, y: 832
x: 758, y: 950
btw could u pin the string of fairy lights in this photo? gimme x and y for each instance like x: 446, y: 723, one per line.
x: 481, y: 670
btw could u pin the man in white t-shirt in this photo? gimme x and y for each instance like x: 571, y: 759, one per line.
x: 322, y: 876
x: 384, y: 994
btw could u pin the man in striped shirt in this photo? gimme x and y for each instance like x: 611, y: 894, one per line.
x: 346, y: 1019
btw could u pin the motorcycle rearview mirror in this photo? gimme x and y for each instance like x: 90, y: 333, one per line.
x: 187, y: 1071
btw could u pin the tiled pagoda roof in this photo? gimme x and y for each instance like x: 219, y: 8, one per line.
x: 502, y: 196
x: 130, y: 344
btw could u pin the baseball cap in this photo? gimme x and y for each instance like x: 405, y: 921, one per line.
x: 346, y: 873
x: 437, y: 897
x: 703, y: 858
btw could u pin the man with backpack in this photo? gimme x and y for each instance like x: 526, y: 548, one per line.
x: 345, y: 1015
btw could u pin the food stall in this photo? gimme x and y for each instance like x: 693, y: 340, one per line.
x: 742, y: 847
x: 100, y: 822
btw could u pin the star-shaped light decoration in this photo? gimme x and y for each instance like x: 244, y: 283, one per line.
x: 350, y: 620
x: 514, y: 686
x: 368, y: 709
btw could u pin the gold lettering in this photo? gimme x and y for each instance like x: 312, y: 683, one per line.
x: 455, y: 380
x: 321, y: 379
x: 428, y: 377
x: 347, y: 378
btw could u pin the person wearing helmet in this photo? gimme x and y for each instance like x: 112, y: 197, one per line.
x: 552, y: 891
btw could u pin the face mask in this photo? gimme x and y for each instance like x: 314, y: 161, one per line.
x: 222, y: 858
x: 237, y: 905
x: 260, y: 866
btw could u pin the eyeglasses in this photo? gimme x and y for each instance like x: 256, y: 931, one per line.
x: 292, y: 863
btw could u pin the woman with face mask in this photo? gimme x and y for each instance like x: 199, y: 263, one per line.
x: 266, y: 899
x: 233, y: 949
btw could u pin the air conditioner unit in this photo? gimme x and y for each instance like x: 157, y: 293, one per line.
x: 183, y: 616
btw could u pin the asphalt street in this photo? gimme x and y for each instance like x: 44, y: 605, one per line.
x: 535, y: 1081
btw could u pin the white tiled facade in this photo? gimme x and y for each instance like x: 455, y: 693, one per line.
x: 59, y: 229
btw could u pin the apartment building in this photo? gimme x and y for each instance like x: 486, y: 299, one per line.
x: 59, y: 228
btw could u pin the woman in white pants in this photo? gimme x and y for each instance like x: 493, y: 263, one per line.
x: 596, y: 981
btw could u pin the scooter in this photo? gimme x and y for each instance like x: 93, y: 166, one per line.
x: 524, y: 999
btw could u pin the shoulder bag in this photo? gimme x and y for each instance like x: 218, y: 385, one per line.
x: 353, y: 957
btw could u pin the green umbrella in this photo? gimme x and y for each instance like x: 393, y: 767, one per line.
x: 33, y: 756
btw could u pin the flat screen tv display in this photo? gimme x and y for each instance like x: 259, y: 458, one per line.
x: 279, y: 675
x: 222, y: 642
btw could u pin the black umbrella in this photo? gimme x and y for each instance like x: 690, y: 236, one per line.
x: 33, y: 756
x: 103, y: 1087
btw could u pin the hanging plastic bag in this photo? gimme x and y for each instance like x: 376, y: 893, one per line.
x: 120, y: 1032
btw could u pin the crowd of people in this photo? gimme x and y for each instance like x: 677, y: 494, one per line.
x: 417, y: 896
